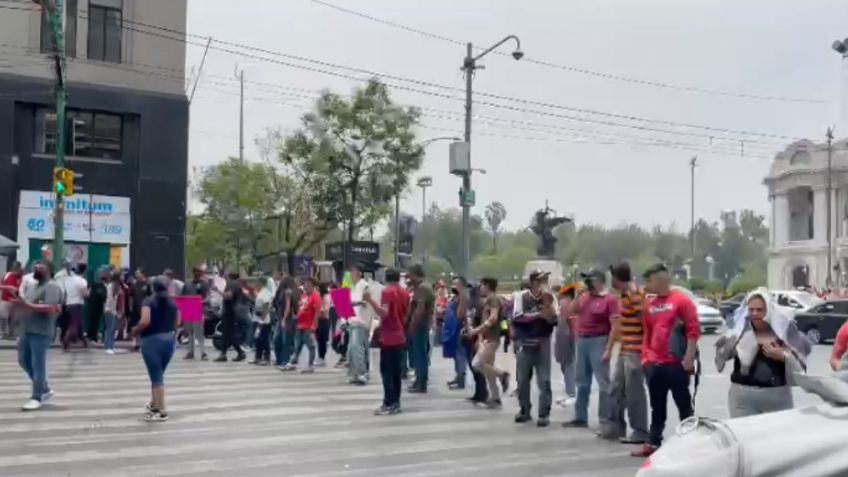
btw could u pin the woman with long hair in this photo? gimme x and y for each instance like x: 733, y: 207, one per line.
x: 767, y: 350
x: 157, y: 329
x: 262, y: 319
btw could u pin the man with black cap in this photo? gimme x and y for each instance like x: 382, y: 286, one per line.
x: 596, y: 310
x: 533, y: 320
x: 421, y: 313
x: 38, y: 309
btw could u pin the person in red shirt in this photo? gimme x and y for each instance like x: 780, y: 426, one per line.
x: 307, y: 324
x: 11, y: 283
x: 840, y: 346
x: 392, y: 310
x: 670, y: 340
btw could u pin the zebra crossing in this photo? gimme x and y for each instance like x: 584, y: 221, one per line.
x: 228, y: 418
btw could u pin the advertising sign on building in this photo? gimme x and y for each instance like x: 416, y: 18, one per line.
x: 89, y: 218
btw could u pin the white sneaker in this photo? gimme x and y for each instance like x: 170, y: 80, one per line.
x: 110, y: 351
x: 319, y: 363
x: 31, y: 405
x: 47, y: 396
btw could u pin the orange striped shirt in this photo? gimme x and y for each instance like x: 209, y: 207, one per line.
x: 631, y: 310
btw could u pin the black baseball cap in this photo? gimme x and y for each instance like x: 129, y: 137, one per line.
x: 538, y: 275
x: 594, y: 274
x: 654, y: 269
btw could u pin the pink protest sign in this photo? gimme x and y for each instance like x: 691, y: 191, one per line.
x: 191, y: 308
x: 342, y: 302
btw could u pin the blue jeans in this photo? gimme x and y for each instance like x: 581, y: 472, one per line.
x: 32, y: 356
x: 460, y: 362
x: 157, y: 351
x: 248, y: 328
x: 589, y: 363
x: 301, y: 339
x: 418, y: 346
x: 110, y: 321
x: 568, y: 376
x: 530, y: 359
x: 283, y: 343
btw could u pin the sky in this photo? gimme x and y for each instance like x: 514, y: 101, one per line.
x: 562, y: 141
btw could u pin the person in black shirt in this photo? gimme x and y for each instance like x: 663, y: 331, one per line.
x: 157, y: 328
x: 97, y: 302
x: 233, y: 298
x: 140, y: 290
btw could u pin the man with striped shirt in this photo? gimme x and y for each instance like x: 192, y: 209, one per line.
x: 628, y: 379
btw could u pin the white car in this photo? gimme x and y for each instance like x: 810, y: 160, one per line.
x: 794, y: 301
x: 708, y: 315
x: 805, y: 441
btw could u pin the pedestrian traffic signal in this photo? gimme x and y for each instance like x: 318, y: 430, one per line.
x: 63, y: 181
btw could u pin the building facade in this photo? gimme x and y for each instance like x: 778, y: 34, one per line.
x: 127, y: 130
x: 797, y: 188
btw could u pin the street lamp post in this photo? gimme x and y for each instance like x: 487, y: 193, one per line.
x: 829, y: 279
x: 469, y: 66
x: 421, y: 145
x: 424, y: 183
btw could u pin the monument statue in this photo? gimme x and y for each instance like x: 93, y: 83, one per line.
x: 544, y: 222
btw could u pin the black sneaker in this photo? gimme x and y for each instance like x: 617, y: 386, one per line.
x: 240, y: 358
x: 394, y: 410
x: 543, y: 422
x: 221, y: 359
x: 416, y: 390
x: 382, y: 411
x: 575, y: 424
x: 189, y: 356
x: 522, y: 417
x: 204, y: 357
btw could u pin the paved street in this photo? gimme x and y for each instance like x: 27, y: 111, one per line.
x: 227, y: 418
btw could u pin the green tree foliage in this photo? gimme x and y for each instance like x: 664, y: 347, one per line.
x: 495, y: 215
x: 358, y: 154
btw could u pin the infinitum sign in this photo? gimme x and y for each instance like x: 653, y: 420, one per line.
x: 88, y: 219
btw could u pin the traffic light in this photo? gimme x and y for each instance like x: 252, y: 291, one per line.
x: 63, y: 181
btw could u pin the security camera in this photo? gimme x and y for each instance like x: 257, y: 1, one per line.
x: 517, y: 54
x: 838, y: 46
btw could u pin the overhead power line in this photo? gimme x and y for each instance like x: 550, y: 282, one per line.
x: 574, y: 69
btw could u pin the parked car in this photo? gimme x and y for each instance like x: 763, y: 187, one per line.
x: 709, y: 316
x: 822, y: 322
x: 794, y: 301
x: 762, y: 445
x: 729, y: 306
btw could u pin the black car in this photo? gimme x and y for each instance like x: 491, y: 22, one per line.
x: 821, y: 322
x: 729, y: 306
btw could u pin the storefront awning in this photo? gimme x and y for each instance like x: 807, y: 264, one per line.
x: 7, y: 245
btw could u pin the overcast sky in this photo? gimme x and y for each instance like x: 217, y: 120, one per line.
x: 605, y: 175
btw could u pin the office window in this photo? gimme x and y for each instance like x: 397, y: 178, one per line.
x: 105, y: 23
x: 88, y: 134
x: 70, y: 30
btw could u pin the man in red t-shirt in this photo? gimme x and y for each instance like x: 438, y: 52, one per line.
x: 307, y: 324
x: 11, y: 283
x: 840, y: 346
x: 392, y: 310
x: 670, y: 340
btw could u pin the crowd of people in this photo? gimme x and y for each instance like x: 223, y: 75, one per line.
x: 639, y: 344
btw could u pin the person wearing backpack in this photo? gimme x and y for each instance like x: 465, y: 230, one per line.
x: 669, y: 347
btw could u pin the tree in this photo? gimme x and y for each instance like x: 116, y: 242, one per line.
x: 356, y: 153
x: 495, y: 215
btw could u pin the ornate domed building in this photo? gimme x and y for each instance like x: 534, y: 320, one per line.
x: 797, y: 188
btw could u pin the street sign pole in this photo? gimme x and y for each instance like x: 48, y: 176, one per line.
x: 56, y: 14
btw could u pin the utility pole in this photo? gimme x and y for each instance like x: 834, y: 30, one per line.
x: 692, y: 164
x: 56, y: 21
x: 240, y: 76
x: 829, y: 135
x: 469, y: 66
x: 424, y: 183
x: 397, y: 214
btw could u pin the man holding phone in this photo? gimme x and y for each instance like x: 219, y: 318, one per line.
x: 38, y: 309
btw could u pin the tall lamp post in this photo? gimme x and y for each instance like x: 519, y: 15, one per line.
x: 841, y: 48
x: 469, y: 66
x: 421, y: 145
x: 424, y: 183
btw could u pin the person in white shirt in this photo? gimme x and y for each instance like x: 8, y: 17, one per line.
x: 75, y: 289
x: 360, y: 329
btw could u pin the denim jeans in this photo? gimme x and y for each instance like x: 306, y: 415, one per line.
x: 536, y: 358
x: 109, y: 321
x: 390, y: 367
x: 262, y: 351
x: 590, y: 350
x: 248, y: 328
x: 568, y: 376
x: 323, y: 337
x: 283, y: 343
x: 628, y: 394
x: 157, y: 351
x: 460, y: 362
x: 301, y: 339
x: 357, y: 353
x: 418, y: 348
x: 32, y: 356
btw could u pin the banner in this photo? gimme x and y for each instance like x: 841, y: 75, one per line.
x: 191, y: 308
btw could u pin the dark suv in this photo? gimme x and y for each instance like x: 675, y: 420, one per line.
x: 821, y: 322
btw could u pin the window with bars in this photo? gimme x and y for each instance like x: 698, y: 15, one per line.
x: 105, y: 30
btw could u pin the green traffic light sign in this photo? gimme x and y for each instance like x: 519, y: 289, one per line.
x: 60, y: 188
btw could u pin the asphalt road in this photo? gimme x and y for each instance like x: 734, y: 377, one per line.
x: 234, y: 418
